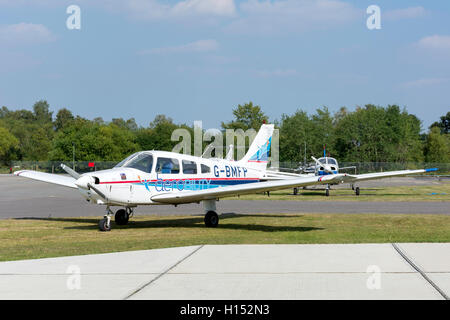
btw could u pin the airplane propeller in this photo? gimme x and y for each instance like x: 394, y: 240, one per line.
x: 85, y: 182
x: 326, y: 167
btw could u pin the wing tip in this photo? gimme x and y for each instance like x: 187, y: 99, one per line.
x: 431, y: 169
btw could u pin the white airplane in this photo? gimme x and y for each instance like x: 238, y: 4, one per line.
x: 167, y: 178
x: 326, y: 166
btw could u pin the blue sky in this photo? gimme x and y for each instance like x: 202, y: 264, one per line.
x: 197, y: 59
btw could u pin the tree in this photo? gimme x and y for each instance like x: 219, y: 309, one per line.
x: 93, y: 141
x: 377, y: 134
x: 245, y: 117
x: 63, y: 118
x: 7, y: 142
x: 294, y: 133
x: 157, y: 136
x: 41, y: 112
x: 437, y: 146
x: 444, y: 124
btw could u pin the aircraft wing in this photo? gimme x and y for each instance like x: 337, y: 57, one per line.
x: 380, y: 175
x: 48, y: 177
x: 248, y: 188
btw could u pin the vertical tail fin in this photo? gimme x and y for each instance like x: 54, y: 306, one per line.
x: 258, y: 153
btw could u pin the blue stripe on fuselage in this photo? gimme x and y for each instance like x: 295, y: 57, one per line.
x: 324, y: 173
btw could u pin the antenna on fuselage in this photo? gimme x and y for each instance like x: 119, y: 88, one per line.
x: 230, y: 154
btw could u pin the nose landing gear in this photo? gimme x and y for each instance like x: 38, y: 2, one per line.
x: 121, y: 218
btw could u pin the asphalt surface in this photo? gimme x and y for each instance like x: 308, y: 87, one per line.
x: 21, y: 197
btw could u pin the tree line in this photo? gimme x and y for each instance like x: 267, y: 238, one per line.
x: 367, y: 134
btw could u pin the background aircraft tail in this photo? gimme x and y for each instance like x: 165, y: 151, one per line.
x: 258, y: 153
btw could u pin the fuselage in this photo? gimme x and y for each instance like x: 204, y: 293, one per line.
x: 328, y: 166
x: 144, y: 174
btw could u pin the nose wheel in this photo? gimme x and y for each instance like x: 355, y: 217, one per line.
x: 121, y: 218
x: 105, y: 223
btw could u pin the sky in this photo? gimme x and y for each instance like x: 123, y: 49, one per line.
x: 198, y: 59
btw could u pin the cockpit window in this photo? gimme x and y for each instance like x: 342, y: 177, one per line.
x: 167, y: 165
x: 331, y: 161
x: 323, y: 160
x: 189, y: 167
x: 143, y: 162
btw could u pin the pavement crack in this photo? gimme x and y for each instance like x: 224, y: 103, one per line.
x: 423, y: 274
x: 162, y: 273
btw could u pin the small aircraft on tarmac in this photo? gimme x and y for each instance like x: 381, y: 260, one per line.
x: 167, y: 178
x: 326, y: 166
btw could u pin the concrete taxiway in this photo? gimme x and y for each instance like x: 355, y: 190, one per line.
x: 325, y: 271
x: 21, y: 197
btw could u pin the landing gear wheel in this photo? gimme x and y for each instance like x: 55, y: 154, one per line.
x: 211, y: 219
x: 103, y: 225
x: 295, y: 191
x: 327, y: 192
x: 357, y: 191
x: 121, y: 217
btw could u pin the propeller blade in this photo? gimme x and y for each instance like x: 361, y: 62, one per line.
x: 317, y: 161
x: 70, y: 171
x: 324, y: 166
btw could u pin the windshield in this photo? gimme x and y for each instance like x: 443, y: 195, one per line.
x: 143, y: 162
x: 121, y: 163
x: 331, y: 161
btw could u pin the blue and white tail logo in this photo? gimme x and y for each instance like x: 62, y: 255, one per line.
x: 258, y: 153
x: 262, y: 155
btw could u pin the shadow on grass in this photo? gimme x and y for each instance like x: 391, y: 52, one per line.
x: 192, y: 222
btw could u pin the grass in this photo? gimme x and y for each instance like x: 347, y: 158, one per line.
x: 53, y: 237
x: 438, y: 192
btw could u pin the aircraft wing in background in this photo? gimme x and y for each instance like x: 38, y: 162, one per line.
x: 379, y: 175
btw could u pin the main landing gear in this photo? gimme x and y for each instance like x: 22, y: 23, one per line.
x: 121, y: 218
x: 356, y: 189
x: 211, y: 217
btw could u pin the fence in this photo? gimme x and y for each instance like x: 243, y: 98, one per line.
x: 366, y: 167
x: 360, y: 167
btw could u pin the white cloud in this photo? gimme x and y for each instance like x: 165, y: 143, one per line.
x: 157, y: 10
x: 424, y: 82
x: 274, y: 17
x: 192, y: 47
x: 435, y: 42
x: 25, y: 34
x: 213, y: 7
x: 406, y: 13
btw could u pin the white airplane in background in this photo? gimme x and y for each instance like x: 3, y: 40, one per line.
x: 326, y: 166
x: 167, y: 178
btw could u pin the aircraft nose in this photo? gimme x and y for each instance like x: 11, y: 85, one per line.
x: 83, y: 181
